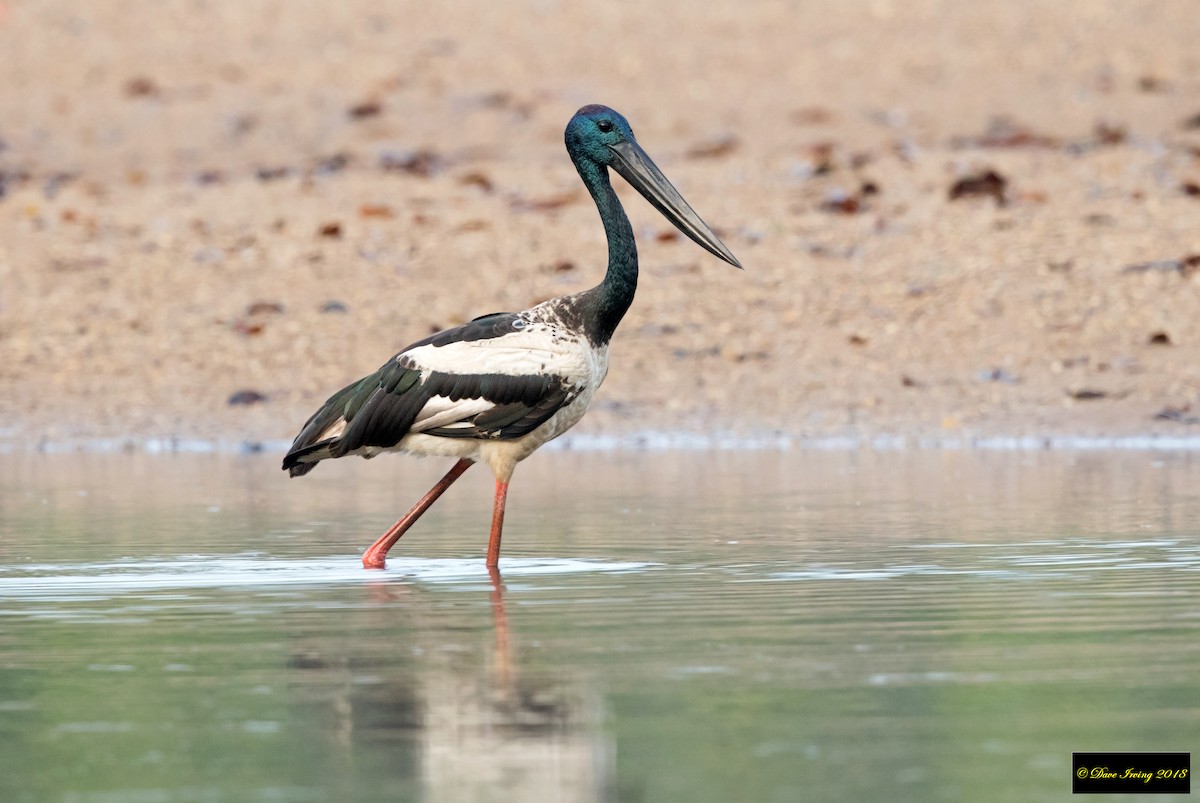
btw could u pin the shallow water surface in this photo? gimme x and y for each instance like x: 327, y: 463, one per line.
x: 701, y: 626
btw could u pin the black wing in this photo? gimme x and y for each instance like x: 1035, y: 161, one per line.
x: 380, y: 409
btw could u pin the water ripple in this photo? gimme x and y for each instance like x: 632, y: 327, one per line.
x: 80, y: 581
x: 1055, y: 559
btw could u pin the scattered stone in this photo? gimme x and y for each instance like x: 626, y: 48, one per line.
x: 55, y: 182
x: 246, y: 397
x: 841, y: 202
x: 140, y: 87
x: 1003, y: 132
x: 818, y: 161
x: 997, y: 375
x: 264, y: 308
x: 989, y: 184
x: 1185, y: 266
x: 247, y: 328
x: 1106, y: 133
x: 1152, y: 83
x: 332, y: 164
x: 375, y: 210
x: 1177, y: 414
x: 368, y: 108
x: 423, y: 163
x: 272, y: 173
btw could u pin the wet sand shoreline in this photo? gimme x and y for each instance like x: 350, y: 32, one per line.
x: 959, y: 226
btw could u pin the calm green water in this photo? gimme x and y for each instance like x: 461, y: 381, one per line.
x: 724, y: 626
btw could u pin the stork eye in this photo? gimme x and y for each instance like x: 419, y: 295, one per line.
x: 605, y: 125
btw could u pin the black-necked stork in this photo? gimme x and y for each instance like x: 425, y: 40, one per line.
x: 499, y: 387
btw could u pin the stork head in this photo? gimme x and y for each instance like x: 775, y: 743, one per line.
x: 603, y: 136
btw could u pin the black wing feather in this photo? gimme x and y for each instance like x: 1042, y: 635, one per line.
x: 380, y: 409
x: 497, y: 324
x: 344, y: 404
x: 512, y: 419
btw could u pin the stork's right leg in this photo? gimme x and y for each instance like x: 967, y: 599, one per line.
x: 493, y: 553
x: 376, y: 556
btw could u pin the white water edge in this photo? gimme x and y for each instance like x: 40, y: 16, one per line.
x: 65, y: 581
x: 660, y: 441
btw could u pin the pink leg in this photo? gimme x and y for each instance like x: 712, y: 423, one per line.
x: 376, y: 556
x: 493, y: 556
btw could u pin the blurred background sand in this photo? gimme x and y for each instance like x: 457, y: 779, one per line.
x: 957, y: 219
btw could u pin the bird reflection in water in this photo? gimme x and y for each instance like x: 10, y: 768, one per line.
x: 459, y: 722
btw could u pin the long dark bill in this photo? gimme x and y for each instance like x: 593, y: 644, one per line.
x: 636, y: 167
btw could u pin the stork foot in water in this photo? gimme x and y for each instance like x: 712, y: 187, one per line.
x: 376, y: 555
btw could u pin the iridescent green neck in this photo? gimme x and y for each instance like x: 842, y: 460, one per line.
x: 608, y: 301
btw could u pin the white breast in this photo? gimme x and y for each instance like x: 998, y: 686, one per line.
x: 540, y: 348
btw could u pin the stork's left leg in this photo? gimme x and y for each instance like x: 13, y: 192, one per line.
x: 493, y: 554
x: 376, y: 555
